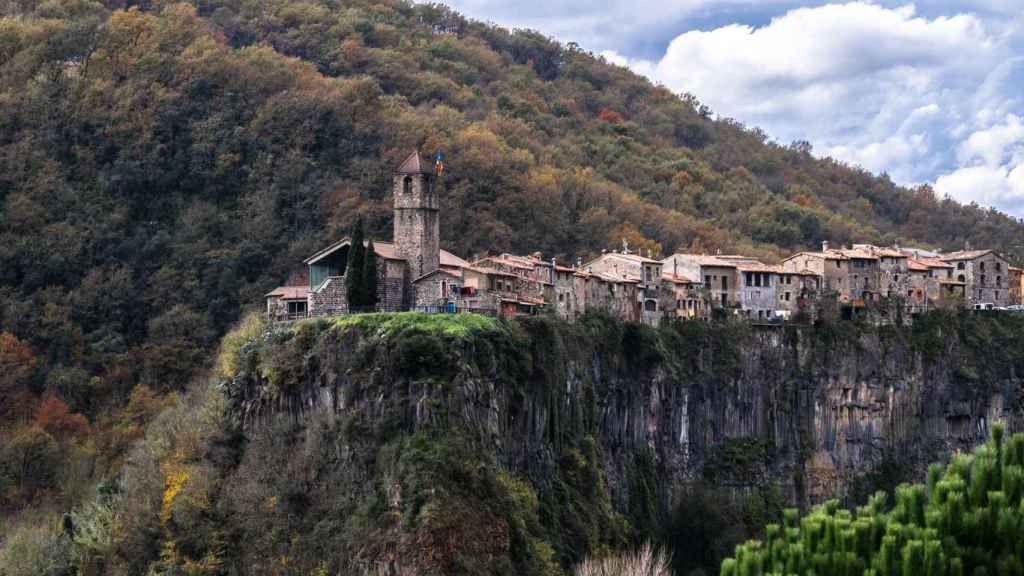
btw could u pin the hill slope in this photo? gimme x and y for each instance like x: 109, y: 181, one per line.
x: 162, y: 167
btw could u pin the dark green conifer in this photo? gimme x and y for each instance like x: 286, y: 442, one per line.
x: 354, y: 268
x: 370, y: 276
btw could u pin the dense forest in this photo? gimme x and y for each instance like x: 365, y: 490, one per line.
x: 163, y: 165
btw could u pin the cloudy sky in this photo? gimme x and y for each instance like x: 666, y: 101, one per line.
x: 928, y: 92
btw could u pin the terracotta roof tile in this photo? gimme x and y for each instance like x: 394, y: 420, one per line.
x: 289, y: 292
x: 964, y: 255
x: 413, y: 164
x: 386, y: 250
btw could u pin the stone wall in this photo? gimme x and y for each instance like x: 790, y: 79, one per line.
x: 417, y: 233
x: 331, y: 299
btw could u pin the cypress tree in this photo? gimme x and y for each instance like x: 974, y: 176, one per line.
x: 370, y: 276
x: 354, y: 268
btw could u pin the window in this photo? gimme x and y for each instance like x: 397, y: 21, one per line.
x: 999, y: 267
x: 787, y: 296
x: 982, y: 279
x: 297, y: 309
x: 982, y: 266
x: 407, y: 185
x: 959, y: 265
x: 999, y: 281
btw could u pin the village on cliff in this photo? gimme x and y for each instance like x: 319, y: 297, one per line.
x: 414, y: 273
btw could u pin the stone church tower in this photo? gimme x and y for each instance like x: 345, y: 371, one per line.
x: 417, y: 231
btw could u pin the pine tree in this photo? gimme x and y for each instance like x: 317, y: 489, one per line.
x: 370, y: 276
x: 354, y: 269
x: 967, y: 519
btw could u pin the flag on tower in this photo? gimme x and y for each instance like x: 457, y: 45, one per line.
x: 439, y: 164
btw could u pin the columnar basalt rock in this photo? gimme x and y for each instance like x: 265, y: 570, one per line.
x: 807, y: 410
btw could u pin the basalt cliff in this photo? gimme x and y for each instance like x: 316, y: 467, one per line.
x: 601, y: 427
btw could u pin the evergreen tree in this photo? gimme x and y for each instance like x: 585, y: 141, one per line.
x: 370, y: 276
x: 354, y: 269
x: 967, y: 519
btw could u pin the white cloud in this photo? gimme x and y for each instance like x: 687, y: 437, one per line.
x: 920, y: 91
x: 999, y: 186
x: 879, y: 86
x: 994, y: 145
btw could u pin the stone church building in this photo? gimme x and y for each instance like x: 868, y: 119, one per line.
x: 412, y: 271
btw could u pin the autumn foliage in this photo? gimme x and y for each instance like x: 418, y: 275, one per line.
x: 54, y: 416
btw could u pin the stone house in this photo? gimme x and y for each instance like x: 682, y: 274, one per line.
x: 932, y: 284
x: 644, y: 273
x: 288, y: 303
x: 985, y: 274
x: 758, y: 281
x: 796, y: 291
x: 864, y: 275
x: 718, y: 276
x: 407, y: 269
x: 831, y: 266
x: 682, y: 297
x: 1016, y: 285
x: 441, y: 288
x: 893, y: 280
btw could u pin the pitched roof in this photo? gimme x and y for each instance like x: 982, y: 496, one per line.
x: 804, y: 272
x: 857, y: 253
x: 413, y: 164
x: 677, y: 279
x: 830, y: 255
x: 491, y: 271
x: 385, y: 250
x: 630, y: 257
x: 880, y: 250
x: 965, y: 255
x: 915, y: 265
x: 289, y: 292
x: 444, y: 271
x: 932, y: 262
x: 705, y: 260
x: 758, y: 267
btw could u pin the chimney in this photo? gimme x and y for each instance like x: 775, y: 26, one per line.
x: 824, y: 246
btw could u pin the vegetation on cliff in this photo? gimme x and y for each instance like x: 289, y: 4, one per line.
x: 364, y: 444
x: 967, y: 519
x: 164, y: 166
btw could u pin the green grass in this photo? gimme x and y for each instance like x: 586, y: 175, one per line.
x: 388, y: 324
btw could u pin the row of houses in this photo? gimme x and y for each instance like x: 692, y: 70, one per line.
x: 415, y: 273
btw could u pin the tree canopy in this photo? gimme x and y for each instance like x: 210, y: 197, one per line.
x: 163, y: 166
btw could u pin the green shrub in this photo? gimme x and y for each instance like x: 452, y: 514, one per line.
x: 967, y: 518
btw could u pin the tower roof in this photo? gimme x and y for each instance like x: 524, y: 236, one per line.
x: 413, y: 164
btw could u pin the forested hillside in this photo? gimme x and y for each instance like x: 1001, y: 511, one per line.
x: 163, y: 165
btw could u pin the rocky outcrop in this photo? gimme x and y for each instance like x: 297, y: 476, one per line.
x: 808, y: 409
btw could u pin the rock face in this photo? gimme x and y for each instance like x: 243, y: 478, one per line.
x: 807, y: 409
